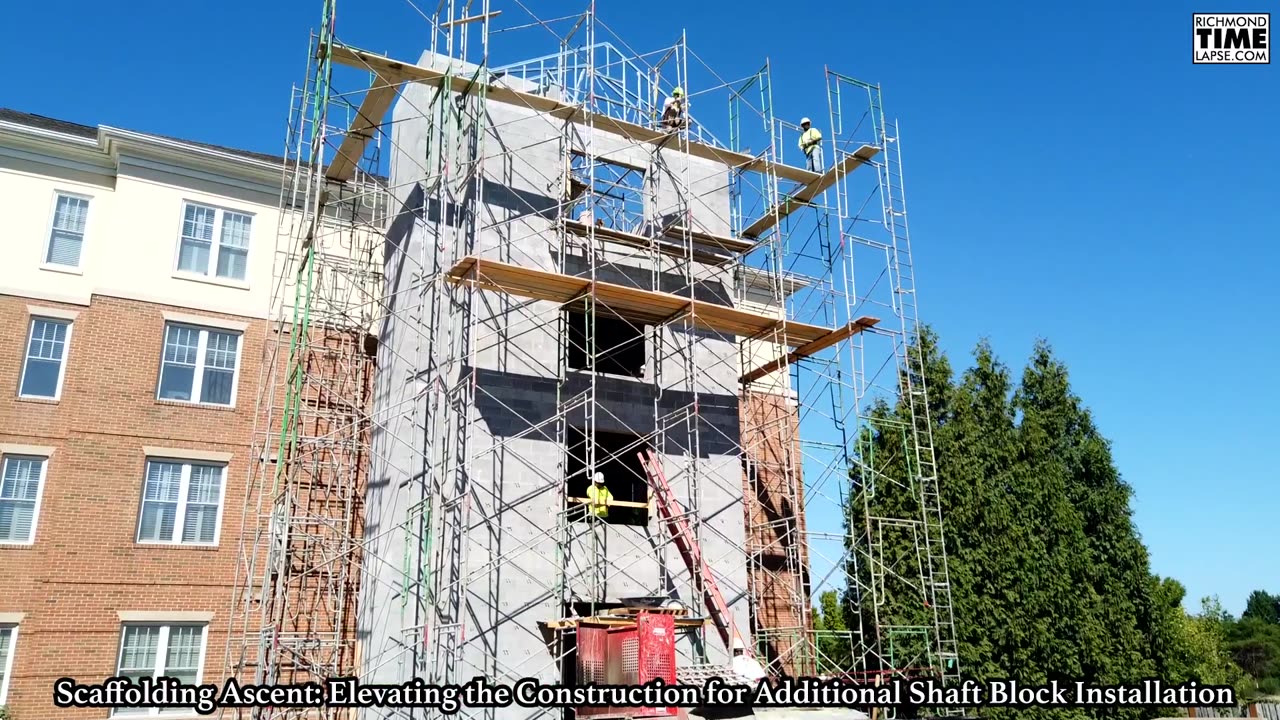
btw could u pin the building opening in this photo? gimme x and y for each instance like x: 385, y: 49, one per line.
x: 617, y: 458
x: 616, y: 347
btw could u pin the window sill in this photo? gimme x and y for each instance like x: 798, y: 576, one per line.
x: 197, y: 405
x: 38, y: 400
x: 174, y: 546
x: 66, y: 269
x: 208, y: 280
x: 6, y: 545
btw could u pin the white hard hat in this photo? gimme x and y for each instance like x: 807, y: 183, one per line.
x: 804, y: 121
x: 598, y: 477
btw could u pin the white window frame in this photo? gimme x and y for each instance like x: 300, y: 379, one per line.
x: 202, y: 345
x: 184, y: 487
x: 35, y: 511
x: 8, y: 661
x: 48, y: 236
x: 62, y: 364
x: 215, y: 244
x: 162, y: 655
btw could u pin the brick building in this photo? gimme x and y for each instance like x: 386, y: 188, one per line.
x: 135, y: 287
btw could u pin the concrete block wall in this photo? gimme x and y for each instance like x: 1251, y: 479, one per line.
x: 510, y: 347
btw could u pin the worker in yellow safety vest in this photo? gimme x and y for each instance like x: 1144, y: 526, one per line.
x: 811, y: 144
x: 674, y: 109
x: 599, y: 497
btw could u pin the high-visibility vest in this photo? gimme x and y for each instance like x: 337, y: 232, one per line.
x: 809, y: 138
x: 598, y: 497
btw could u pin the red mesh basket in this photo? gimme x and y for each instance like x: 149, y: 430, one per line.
x: 631, y: 655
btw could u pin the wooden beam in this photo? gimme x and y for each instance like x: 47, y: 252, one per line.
x: 372, y: 109
x: 613, y: 503
x: 641, y: 306
x: 471, y: 19
x: 812, y: 348
x: 380, y: 64
x: 811, y: 190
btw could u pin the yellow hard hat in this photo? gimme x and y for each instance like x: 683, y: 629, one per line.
x: 677, y: 92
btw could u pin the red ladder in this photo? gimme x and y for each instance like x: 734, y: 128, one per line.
x: 682, y: 534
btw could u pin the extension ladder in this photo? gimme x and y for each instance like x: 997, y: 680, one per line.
x: 682, y: 535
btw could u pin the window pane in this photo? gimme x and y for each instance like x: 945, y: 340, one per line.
x: 197, y: 222
x: 160, y: 502
x: 234, y: 246
x: 45, y: 351
x: 178, y: 371
x: 138, y: 657
x: 202, y: 504
x: 19, y: 488
x: 183, y: 658
x: 220, y: 364
x: 232, y: 263
x: 64, y: 248
x: 70, y: 214
x: 67, y: 236
x: 193, y: 257
x: 197, y: 238
x: 6, y: 646
x: 235, y: 230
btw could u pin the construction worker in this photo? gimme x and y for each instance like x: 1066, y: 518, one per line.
x: 673, y: 110
x: 811, y: 144
x: 598, y: 497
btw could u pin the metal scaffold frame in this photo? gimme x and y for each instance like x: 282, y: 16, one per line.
x: 798, y: 380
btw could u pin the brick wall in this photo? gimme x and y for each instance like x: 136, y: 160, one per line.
x: 776, y: 530
x: 85, y: 567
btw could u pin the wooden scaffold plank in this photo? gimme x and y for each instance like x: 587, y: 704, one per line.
x: 642, y: 306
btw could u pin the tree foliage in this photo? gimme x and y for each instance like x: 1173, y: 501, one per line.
x: 1254, y: 642
x: 1050, y: 579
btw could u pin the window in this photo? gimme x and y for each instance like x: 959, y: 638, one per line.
x: 181, y: 503
x: 8, y: 647
x: 66, y: 238
x: 617, y: 458
x: 214, y: 242
x: 46, y: 351
x: 615, y: 348
x: 199, y: 365
x: 21, y: 479
x: 154, y: 651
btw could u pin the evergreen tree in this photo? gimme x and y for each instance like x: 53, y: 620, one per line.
x: 988, y: 543
x: 834, y: 647
x: 1262, y: 606
x: 1050, y: 580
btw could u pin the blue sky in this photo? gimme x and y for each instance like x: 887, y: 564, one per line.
x: 1071, y: 175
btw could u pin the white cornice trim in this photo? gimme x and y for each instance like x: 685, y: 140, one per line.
x: 10, y: 126
x: 39, y: 150
x: 12, y: 618
x: 163, y: 149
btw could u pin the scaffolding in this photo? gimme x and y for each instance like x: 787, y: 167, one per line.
x: 496, y: 281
